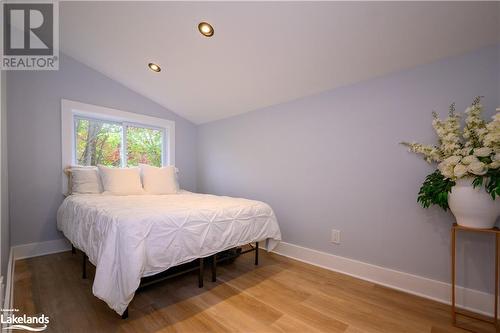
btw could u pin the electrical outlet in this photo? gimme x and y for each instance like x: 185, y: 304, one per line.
x: 335, y: 236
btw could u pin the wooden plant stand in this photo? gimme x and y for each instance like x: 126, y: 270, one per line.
x: 454, y: 311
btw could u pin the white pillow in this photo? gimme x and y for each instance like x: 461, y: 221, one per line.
x: 159, y: 180
x: 85, y: 180
x: 121, y: 181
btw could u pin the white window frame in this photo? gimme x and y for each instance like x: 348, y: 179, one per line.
x: 71, y: 110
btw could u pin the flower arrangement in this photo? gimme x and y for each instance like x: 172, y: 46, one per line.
x: 473, y: 152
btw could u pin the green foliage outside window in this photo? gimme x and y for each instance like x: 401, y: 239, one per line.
x: 100, y: 142
x: 143, y: 146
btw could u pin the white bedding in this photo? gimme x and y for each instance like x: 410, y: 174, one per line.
x: 129, y: 237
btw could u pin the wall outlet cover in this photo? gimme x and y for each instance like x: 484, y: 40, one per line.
x: 335, y: 236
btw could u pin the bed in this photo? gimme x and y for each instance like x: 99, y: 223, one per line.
x: 131, y: 237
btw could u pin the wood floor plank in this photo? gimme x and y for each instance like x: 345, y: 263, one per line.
x: 279, y: 295
x: 369, y: 313
x: 288, y: 324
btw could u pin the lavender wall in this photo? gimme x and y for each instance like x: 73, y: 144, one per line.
x: 4, y: 193
x: 34, y: 140
x: 333, y: 161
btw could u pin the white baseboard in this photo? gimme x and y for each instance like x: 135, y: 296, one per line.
x: 40, y: 249
x: 9, y: 284
x: 2, y: 290
x: 470, y: 299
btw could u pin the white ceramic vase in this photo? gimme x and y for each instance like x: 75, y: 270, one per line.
x: 473, y: 207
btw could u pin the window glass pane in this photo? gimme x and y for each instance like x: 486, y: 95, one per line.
x: 98, y: 142
x: 144, y: 145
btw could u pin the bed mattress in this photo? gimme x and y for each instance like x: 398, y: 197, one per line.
x: 129, y: 237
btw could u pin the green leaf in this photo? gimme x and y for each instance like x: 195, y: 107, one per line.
x: 434, y: 191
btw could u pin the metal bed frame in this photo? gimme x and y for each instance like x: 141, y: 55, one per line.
x: 165, y: 275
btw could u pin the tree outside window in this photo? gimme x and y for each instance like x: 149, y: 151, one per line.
x: 101, y: 142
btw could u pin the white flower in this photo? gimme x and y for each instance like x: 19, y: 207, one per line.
x: 446, y: 169
x: 453, y: 160
x: 492, y: 137
x: 457, y: 151
x: 477, y: 168
x: 474, y: 130
x: 483, y: 152
x: 431, y: 154
x: 494, y: 164
x: 465, y: 151
x: 469, y: 159
x: 460, y: 170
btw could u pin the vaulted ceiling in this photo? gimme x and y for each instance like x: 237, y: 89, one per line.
x: 264, y: 53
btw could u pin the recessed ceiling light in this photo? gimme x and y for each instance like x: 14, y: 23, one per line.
x: 154, y: 67
x: 206, y: 29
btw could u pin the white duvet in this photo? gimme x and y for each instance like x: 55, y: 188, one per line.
x: 129, y: 237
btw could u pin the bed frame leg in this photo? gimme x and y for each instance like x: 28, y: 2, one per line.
x: 73, y: 250
x: 84, y: 266
x: 125, y: 314
x: 256, y: 253
x: 214, y: 267
x: 200, y: 274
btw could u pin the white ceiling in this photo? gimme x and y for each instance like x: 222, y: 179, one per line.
x: 264, y: 53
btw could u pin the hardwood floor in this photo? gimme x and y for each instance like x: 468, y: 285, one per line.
x: 280, y: 295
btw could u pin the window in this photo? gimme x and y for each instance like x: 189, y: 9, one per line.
x: 93, y: 135
x: 116, y: 144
